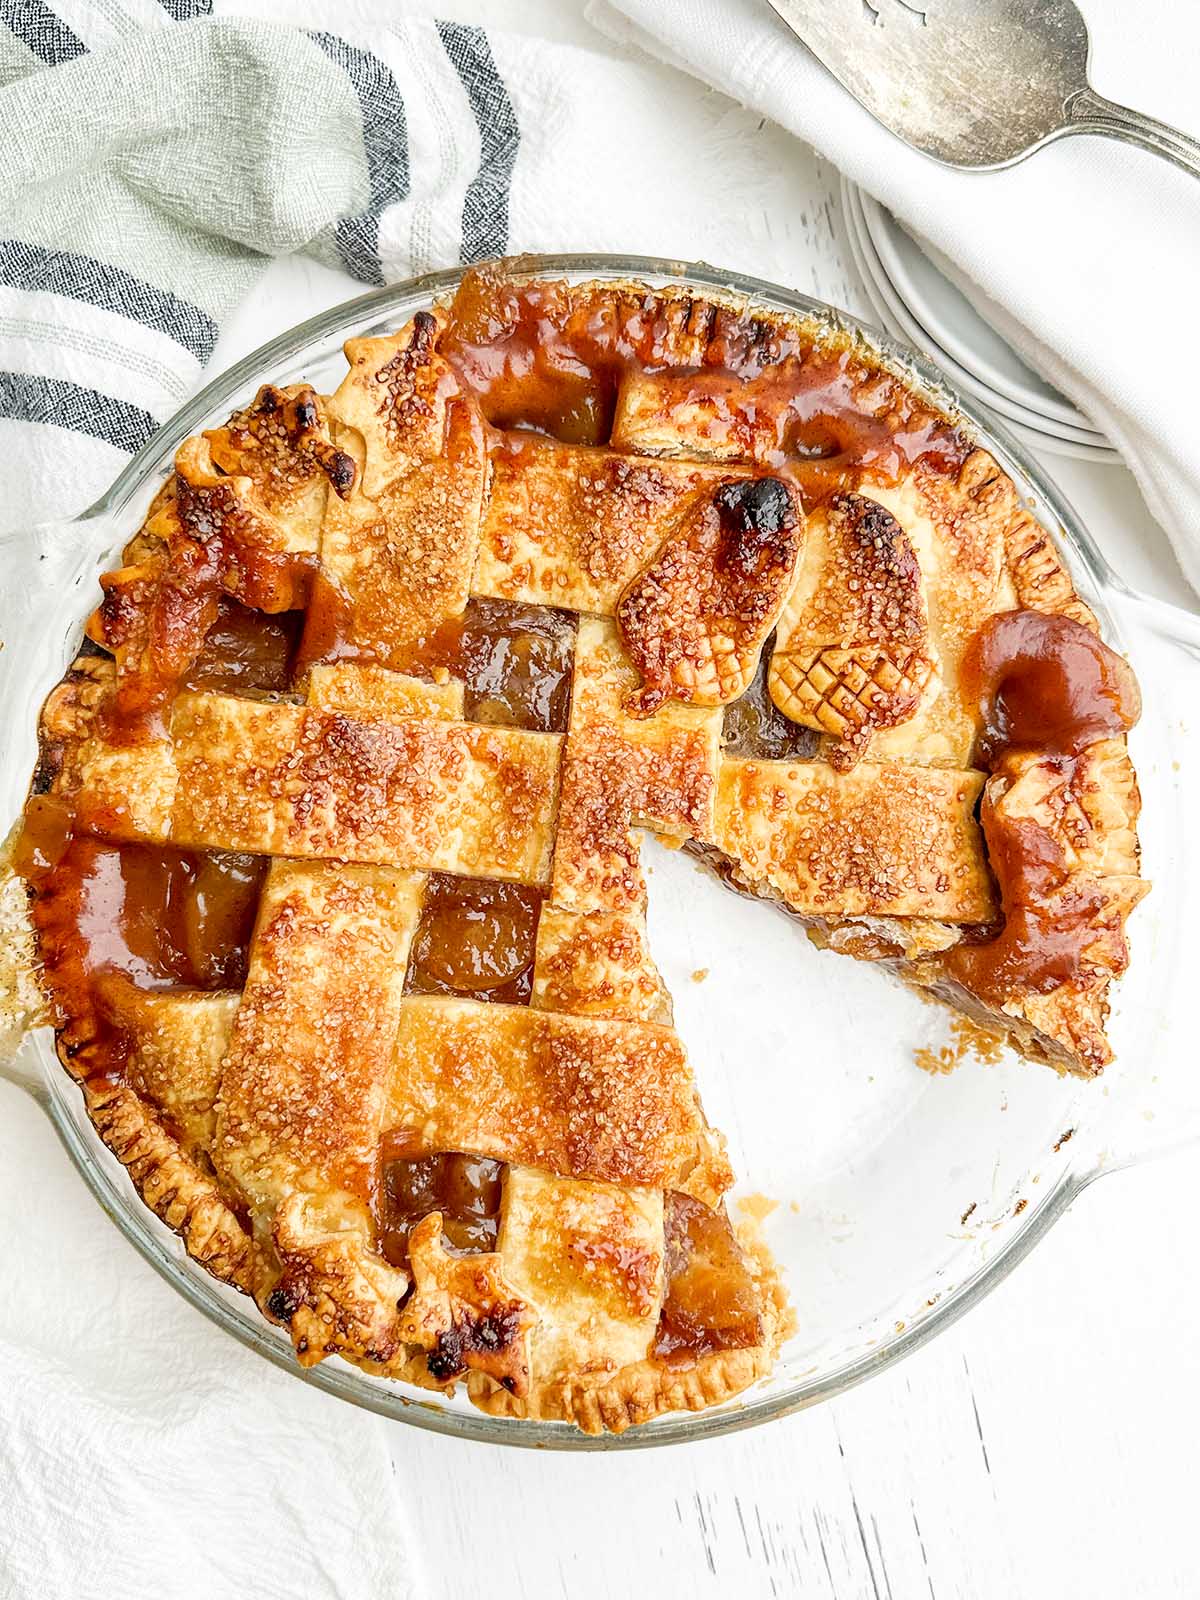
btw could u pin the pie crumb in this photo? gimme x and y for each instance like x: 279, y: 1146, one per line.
x: 700, y: 974
x: 967, y: 1041
x: 757, y: 1207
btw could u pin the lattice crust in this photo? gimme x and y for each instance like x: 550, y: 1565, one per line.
x: 883, y: 840
x: 852, y: 654
x: 696, y: 618
x: 400, y: 553
x: 365, y: 692
x: 180, y: 1041
x: 325, y: 984
x: 570, y: 526
x: 590, y: 1257
x: 302, y: 1090
x: 620, y: 772
x: 255, y: 1124
x: 715, y: 415
x: 548, y: 1230
x: 597, y: 964
x: 286, y: 780
x: 584, y: 1097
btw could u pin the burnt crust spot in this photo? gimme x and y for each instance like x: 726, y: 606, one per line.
x: 486, y: 1336
x: 758, y: 521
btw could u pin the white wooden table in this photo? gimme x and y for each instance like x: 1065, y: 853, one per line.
x: 1043, y: 1447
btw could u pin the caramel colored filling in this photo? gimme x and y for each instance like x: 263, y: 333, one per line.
x: 245, y: 651
x: 711, y: 1300
x: 514, y: 661
x: 115, y: 916
x: 1048, y: 920
x: 754, y: 726
x: 465, y: 1189
x: 476, y: 938
x: 1046, y: 683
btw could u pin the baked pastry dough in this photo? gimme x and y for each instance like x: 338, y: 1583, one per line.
x: 333, y: 845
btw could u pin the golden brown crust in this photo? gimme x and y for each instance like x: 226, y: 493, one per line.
x: 303, y: 1084
x: 1041, y: 580
x: 638, y: 1391
x: 278, y: 779
x: 398, y: 556
x: 281, y: 440
x: 336, y: 1295
x: 576, y: 1096
x: 883, y: 840
x: 173, y: 1185
x: 597, y: 964
x: 619, y: 773
x: 571, y: 526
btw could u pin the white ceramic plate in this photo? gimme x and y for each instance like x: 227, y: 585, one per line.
x: 941, y: 306
x: 898, y: 319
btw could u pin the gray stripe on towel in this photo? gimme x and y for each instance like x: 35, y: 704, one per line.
x: 385, y: 144
x: 485, y: 205
x: 35, y: 267
x: 46, y: 34
x: 31, y: 397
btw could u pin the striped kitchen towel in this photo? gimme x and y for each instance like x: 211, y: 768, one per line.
x: 157, y: 152
x: 149, y: 171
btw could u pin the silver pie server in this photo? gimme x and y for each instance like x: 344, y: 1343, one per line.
x: 974, y: 83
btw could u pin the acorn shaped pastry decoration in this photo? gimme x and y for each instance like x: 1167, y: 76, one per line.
x: 852, y: 654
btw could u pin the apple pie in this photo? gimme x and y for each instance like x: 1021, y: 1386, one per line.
x: 332, y: 850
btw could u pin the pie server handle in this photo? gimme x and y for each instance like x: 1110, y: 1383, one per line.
x: 1152, y: 1089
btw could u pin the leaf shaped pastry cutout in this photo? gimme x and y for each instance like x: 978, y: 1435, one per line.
x: 853, y: 653
x: 695, y: 620
x: 464, y: 1314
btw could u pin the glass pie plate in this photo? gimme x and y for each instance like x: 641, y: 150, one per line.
x: 900, y: 1197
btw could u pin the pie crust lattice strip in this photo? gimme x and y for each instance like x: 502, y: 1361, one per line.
x: 333, y: 846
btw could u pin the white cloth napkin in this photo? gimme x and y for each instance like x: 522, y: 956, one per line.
x: 1089, y: 250
x: 144, y: 1452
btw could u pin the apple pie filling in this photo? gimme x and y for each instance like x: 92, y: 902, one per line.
x: 476, y: 938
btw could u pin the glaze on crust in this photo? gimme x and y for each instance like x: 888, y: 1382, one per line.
x: 341, y: 921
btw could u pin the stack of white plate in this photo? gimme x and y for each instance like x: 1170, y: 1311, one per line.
x: 916, y: 301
